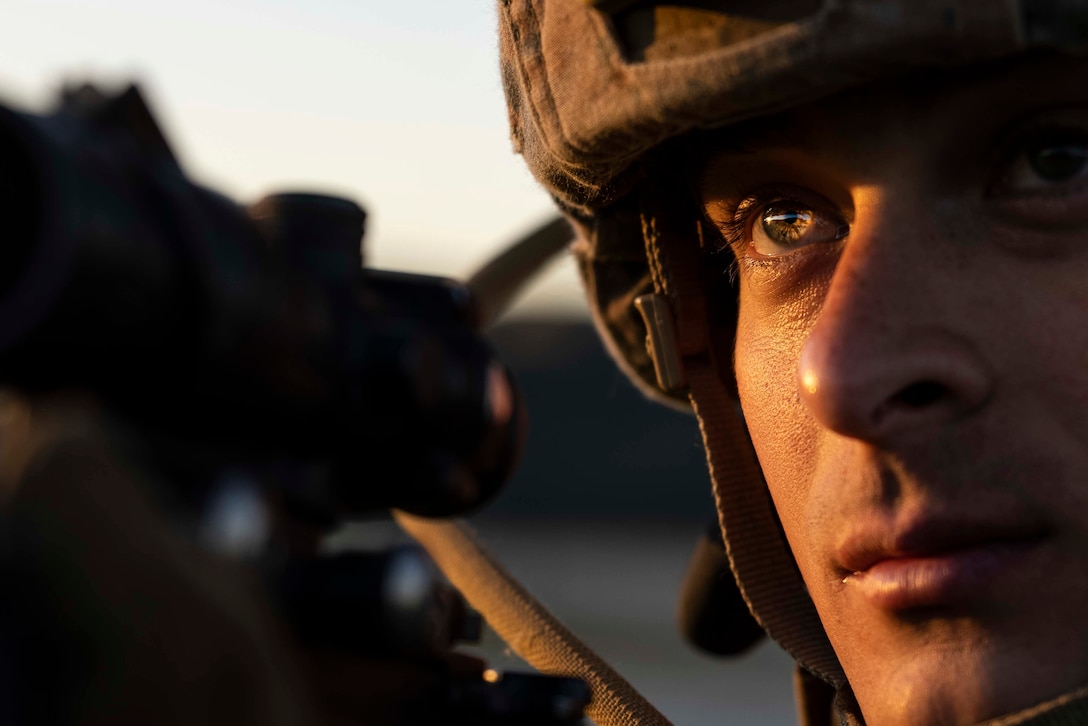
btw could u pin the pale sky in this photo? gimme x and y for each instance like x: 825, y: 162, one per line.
x: 395, y: 104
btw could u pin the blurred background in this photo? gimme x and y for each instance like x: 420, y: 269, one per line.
x: 398, y: 105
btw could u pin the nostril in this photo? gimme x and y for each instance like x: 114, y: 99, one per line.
x: 914, y: 397
x: 920, y: 394
x: 874, y: 390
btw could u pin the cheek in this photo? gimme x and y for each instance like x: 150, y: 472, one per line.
x: 1043, y: 358
x: 1050, y: 315
x: 785, y: 436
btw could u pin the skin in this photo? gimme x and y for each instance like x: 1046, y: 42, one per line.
x: 914, y: 373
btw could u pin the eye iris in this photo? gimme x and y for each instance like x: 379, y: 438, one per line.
x: 1058, y: 162
x: 786, y: 226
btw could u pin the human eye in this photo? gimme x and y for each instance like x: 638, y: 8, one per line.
x: 1048, y: 160
x: 773, y: 225
x: 1043, y: 174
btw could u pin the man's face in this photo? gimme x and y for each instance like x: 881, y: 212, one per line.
x: 912, y: 360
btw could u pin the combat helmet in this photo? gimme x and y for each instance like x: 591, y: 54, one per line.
x: 597, y: 92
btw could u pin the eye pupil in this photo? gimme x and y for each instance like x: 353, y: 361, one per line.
x: 786, y: 226
x: 1058, y: 163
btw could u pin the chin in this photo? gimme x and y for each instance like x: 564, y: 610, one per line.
x: 951, y: 666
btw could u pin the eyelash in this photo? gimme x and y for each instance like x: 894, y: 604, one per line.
x: 731, y: 234
x: 735, y: 229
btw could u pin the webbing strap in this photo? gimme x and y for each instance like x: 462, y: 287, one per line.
x: 758, y: 553
x: 526, y: 625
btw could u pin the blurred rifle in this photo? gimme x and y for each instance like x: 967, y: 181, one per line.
x: 182, y: 371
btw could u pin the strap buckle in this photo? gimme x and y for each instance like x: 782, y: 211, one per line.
x: 661, y: 341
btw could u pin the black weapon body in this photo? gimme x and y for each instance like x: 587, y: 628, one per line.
x: 251, y: 330
x: 249, y: 359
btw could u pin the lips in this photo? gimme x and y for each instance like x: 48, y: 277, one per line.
x: 934, y: 560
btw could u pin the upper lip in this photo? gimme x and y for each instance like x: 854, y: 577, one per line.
x: 876, y: 540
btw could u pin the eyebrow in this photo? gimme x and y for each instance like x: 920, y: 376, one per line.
x: 751, y: 137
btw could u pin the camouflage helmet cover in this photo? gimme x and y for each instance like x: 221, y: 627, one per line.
x: 593, y: 85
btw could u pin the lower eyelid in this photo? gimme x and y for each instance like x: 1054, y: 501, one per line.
x: 779, y: 279
x: 1005, y: 189
x: 1069, y: 209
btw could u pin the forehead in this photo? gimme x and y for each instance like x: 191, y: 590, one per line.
x: 953, y: 105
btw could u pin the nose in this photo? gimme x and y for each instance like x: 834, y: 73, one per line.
x: 892, y: 351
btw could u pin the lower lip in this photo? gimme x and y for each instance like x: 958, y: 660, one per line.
x: 904, y: 583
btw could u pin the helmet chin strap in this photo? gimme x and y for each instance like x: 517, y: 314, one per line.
x: 679, y: 339
x: 525, y: 624
x: 513, y: 613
